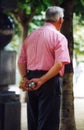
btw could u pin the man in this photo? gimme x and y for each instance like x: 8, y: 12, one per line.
x: 43, y: 56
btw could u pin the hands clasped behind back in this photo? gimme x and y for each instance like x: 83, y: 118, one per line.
x: 24, y: 84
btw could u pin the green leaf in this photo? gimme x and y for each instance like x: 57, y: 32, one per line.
x: 82, y: 1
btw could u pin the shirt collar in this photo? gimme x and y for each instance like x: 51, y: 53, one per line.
x: 50, y: 25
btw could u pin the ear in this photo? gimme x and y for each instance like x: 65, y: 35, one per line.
x: 60, y: 20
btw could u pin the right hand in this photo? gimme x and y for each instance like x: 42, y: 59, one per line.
x: 24, y: 84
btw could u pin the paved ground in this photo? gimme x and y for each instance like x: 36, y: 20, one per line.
x: 79, y: 114
x: 23, y: 117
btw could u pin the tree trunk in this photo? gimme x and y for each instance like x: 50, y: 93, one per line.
x: 67, y: 113
x: 25, y: 32
x: 67, y: 116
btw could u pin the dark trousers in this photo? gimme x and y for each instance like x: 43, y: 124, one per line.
x: 43, y: 105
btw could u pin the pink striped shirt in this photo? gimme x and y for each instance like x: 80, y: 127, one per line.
x: 43, y: 47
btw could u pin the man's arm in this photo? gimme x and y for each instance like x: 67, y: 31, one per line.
x: 50, y: 74
x: 24, y: 81
x: 22, y: 70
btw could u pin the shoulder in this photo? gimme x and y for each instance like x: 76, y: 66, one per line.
x: 61, y: 36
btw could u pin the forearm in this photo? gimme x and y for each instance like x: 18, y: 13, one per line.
x: 22, y: 69
x: 52, y: 72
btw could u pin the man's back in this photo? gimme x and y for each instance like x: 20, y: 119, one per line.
x: 41, y: 46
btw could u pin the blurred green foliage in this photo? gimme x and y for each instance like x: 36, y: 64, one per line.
x: 78, y: 33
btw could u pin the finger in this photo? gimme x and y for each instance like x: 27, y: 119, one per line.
x: 30, y: 89
x: 25, y: 89
x: 35, y: 88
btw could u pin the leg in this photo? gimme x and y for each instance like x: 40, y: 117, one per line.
x: 44, y: 105
x: 49, y: 106
x: 32, y: 111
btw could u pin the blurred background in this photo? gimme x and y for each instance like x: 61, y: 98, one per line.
x: 18, y: 18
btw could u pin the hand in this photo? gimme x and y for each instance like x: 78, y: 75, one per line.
x: 38, y: 84
x: 24, y: 84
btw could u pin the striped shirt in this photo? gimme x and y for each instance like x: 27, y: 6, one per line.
x: 43, y: 47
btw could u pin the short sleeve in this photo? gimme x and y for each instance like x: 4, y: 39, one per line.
x: 22, y: 56
x: 61, y: 51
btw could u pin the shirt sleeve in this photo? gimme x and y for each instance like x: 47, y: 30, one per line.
x: 61, y: 51
x: 22, y: 56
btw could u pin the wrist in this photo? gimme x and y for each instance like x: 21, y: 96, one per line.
x: 42, y: 80
x: 24, y: 77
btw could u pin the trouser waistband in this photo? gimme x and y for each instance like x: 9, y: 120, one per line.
x: 39, y: 72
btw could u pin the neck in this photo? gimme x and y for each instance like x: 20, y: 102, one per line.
x: 56, y: 25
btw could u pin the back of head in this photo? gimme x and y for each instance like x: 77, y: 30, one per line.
x: 54, y: 13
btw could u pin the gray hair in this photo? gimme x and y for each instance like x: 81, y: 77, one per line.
x: 54, y: 13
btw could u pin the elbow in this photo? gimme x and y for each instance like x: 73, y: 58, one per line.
x: 61, y: 65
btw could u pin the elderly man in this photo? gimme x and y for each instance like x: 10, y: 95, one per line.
x: 41, y: 62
